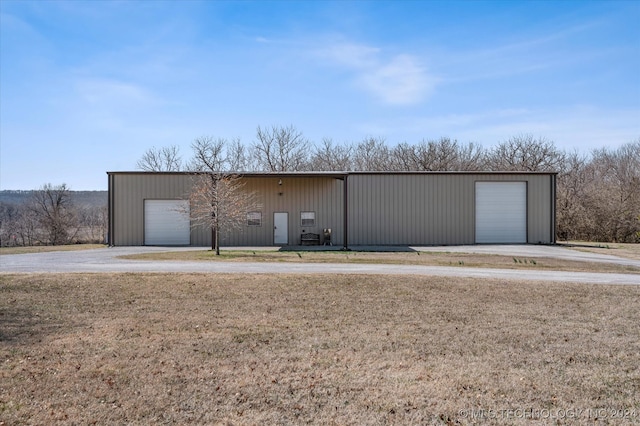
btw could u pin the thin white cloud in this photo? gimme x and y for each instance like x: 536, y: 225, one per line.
x: 398, y: 80
x: 574, y: 127
x: 351, y: 55
x: 523, y: 56
x: 106, y: 91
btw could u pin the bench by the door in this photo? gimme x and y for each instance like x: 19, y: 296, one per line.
x: 309, y: 238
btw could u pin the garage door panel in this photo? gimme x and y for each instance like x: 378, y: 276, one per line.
x: 166, y: 222
x: 501, y: 212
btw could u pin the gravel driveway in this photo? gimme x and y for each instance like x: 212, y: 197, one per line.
x: 106, y: 260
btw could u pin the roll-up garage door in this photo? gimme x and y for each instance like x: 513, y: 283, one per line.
x: 501, y: 212
x: 166, y: 222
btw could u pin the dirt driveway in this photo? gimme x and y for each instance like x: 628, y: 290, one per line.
x: 106, y: 261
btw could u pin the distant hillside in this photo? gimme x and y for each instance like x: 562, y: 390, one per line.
x: 80, y: 198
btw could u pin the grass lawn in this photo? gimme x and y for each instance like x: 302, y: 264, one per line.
x: 626, y: 250
x: 291, y: 349
x: 42, y: 249
x: 399, y: 258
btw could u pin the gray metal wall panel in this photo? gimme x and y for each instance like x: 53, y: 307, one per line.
x: 433, y: 209
x: 539, y: 207
x: 409, y: 209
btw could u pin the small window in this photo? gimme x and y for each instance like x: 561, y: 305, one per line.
x: 254, y: 219
x: 308, y: 218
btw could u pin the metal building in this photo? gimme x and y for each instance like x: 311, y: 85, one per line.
x: 360, y: 208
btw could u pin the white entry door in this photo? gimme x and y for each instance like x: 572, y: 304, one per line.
x: 280, y: 228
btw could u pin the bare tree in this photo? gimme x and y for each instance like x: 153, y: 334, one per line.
x: 26, y: 227
x: 403, y: 158
x: 438, y: 155
x: 331, y: 157
x: 441, y: 155
x: 209, y: 154
x: 525, y: 153
x: 18, y: 225
x: 55, y: 214
x: 574, y: 181
x: 471, y: 157
x: 615, y: 200
x: 238, y: 159
x: 165, y: 159
x: 220, y: 202
x: 217, y: 198
x: 281, y: 149
x: 93, y: 220
x: 372, y: 154
x: 9, y: 217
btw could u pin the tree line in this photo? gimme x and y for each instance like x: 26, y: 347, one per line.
x: 49, y: 216
x: 598, y: 193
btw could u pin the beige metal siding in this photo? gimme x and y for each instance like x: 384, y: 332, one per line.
x: 405, y: 209
x: 433, y: 209
x: 129, y: 193
x: 320, y: 195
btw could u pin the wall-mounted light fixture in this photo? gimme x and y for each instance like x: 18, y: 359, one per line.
x: 280, y: 182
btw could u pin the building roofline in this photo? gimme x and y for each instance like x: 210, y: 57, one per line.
x: 340, y: 174
x: 335, y: 175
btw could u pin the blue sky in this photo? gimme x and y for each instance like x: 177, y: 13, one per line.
x: 87, y: 87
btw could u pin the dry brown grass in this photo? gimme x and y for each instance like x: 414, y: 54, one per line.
x: 398, y: 258
x: 629, y: 251
x: 42, y: 249
x: 290, y: 349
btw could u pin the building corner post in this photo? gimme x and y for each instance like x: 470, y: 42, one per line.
x: 554, y: 196
x: 345, y: 202
x: 110, y: 216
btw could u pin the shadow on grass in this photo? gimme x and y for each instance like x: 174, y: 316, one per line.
x: 21, y: 325
x: 24, y: 316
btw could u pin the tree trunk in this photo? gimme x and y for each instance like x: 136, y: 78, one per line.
x: 217, y: 242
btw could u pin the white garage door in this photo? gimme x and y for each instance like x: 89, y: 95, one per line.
x: 501, y: 212
x: 166, y: 222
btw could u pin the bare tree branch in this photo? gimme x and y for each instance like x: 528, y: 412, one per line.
x: 55, y: 215
x: 208, y: 154
x: 221, y: 203
x: 373, y: 155
x: 237, y: 158
x: 525, y: 153
x: 165, y: 159
x: 281, y: 149
x: 331, y: 157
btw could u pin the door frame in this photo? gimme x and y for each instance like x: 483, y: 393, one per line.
x: 286, y: 226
